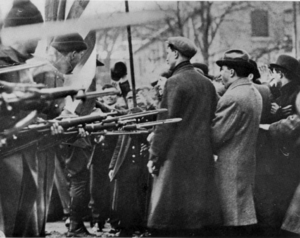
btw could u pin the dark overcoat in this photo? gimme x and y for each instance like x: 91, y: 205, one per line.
x: 235, y: 129
x: 285, y: 134
x: 181, y: 193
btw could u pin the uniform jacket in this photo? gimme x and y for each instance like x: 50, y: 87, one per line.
x: 51, y: 78
x: 235, y: 129
x: 19, y: 171
x: 181, y: 193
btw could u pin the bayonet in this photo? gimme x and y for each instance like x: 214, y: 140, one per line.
x: 135, y: 115
x: 150, y: 124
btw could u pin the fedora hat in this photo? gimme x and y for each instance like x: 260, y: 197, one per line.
x: 287, y: 63
x: 235, y: 57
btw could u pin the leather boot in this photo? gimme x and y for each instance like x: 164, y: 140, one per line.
x: 77, y: 229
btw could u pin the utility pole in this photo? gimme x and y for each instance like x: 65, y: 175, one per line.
x: 295, y: 10
x: 131, y: 58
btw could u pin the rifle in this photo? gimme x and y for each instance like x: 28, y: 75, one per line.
x: 65, y: 123
x: 19, y: 67
x: 135, y: 115
x: 33, y: 98
x: 24, y: 87
x: 41, y: 130
x: 150, y: 124
x: 96, y: 94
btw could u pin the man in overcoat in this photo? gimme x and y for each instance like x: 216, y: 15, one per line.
x: 235, y: 128
x: 181, y: 159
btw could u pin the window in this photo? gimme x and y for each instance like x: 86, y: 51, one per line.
x: 259, y: 23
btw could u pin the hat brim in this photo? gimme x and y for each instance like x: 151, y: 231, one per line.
x: 278, y: 66
x: 293, y: 74
x: 69, y: 47
x: 234, y: 63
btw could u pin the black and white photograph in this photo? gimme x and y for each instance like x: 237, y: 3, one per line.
x: 133, y: 118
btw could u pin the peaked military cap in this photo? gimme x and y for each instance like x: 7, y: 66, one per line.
x: 184, y: 45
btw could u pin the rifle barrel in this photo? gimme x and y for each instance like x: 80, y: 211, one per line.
x: 100, y: 126
x: 21, y: 67
x: 135, y: 115
x: 81, y: 120
x: 96, y: 94
x: 150, y: 124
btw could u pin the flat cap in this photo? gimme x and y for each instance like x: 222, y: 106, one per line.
x: 185, y: 46
x: 236, y: 57
x: 201, y: 66
x: 69, y: 43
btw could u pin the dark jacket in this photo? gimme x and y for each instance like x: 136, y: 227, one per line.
x: 287, y: 96
x: 285, y: 134
x: 182, y: 192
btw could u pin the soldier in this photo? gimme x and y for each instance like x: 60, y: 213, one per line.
x: 18, y: 183
x: 64, y: 53
x: 129, y: 174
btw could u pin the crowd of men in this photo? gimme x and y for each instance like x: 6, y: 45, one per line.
x: 230, y: 167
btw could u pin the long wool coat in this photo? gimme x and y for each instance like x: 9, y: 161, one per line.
x: 235, y: 129
x: 183, y: 190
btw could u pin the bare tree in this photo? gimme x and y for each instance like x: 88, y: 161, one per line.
x: 205, y: 17
x: 106, y: 40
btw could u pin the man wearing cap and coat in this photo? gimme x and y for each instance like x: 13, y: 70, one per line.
x: 181, y: 159
x: 235, y: 129
x: 19, y: 171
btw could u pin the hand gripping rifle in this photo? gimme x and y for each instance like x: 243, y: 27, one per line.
x: 125, y: 125
x: 133, y: 129
x: 42, y: 130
